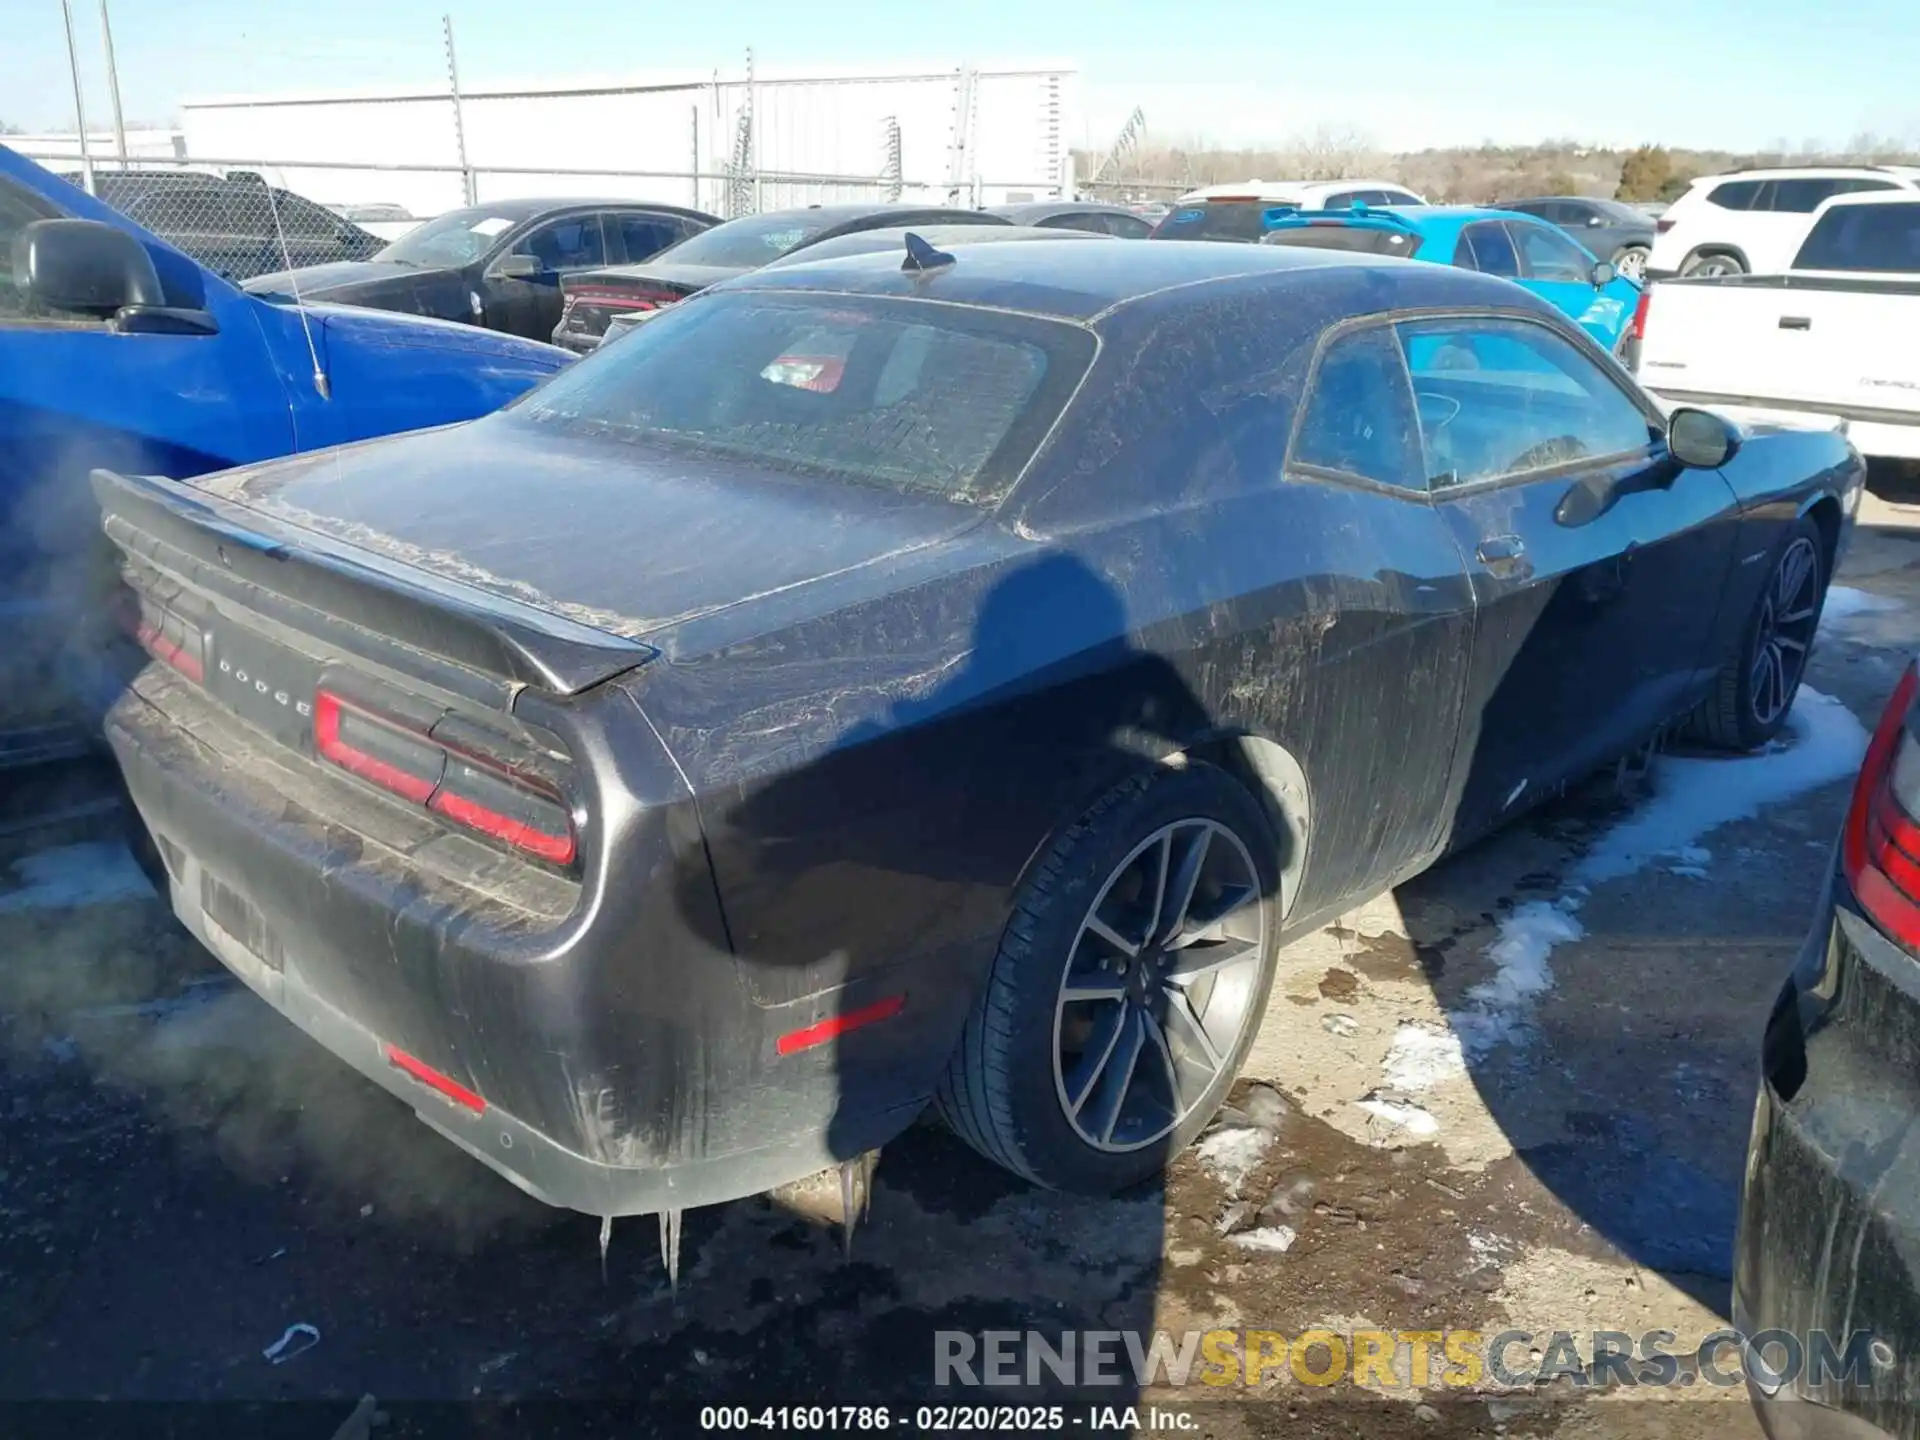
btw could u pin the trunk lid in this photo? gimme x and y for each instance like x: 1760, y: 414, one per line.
x: 604, y: 537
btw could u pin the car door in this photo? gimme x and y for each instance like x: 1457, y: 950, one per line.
x: 1597, y: 560
x: 1384, y: 704
x: 530, y: 304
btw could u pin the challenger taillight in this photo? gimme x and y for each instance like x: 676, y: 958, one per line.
x: 1880, y: 851
x: 472, y: 791
x: 166, y: 637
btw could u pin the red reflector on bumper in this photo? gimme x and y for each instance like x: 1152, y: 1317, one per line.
x: 825, y: 1030
x: 434, y: 1080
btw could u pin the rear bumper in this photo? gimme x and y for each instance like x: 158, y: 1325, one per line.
x: 1829, y: 1243
x: 624, y: 1068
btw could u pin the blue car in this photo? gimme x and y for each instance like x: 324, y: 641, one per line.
x: 118, y: 350
x: 1530, y: 252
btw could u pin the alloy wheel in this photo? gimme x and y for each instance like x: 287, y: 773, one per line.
x: 1632, y: 264
x: 1159, y: 984
x: 1789, y: 611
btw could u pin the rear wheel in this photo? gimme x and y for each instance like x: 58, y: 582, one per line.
x: 1712, y: 263
x: 1755, y: 689
x: 1127, y: 989
x: 1631, y: 261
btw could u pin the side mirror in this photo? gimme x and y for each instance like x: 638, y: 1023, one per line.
x: 518, y: 267
x: 1700, y: 439
x: 84, y: 267
x: 1602, y: 275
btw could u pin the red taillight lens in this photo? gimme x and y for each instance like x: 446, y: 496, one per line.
x: 166, y: 637
x: 1661, y: 225
x: 385, y: 754
x: 609, y: 299
x: 424, y: 771
x: 1880, y: 852
x: 1638, y: 329
x: 483, y: 799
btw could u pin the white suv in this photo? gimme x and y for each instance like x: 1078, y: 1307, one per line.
x: 1236, y: 212
x: 1752, y: 221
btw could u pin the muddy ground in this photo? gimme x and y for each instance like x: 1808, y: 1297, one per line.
x: 183, y: 1176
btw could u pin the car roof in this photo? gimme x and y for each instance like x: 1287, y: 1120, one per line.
x: 1082, y: 282
x: 894, y: 238
x: 1811, y: 172
x: 530, y: 207
x: 1288, y: 189
x: 1027, y: 209
x: 1871, y: 197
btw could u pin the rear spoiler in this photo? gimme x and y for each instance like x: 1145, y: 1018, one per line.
x: 299, y: 577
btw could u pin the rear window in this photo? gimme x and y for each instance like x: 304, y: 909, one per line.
x: 1360, y: 239
x: 1243, y: 221
x: 930, y: 399
x: 747, y: 243
x: 1864, y: 237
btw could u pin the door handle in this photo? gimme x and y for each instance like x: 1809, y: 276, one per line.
x: 1796, y: 322
x: 1500, y: 549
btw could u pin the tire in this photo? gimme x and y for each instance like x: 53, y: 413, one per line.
x: 1025, y: 1046
x: 1713, y: 262
x: 1745, y: 708
x: 1631, y: 261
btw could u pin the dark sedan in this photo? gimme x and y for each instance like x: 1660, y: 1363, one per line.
x: 1618, y: 233
x: 918, y: 677
x: 236, y: 227
x: 1089, y: 215
x: 494, y: 265
x: 739, y: 246
x: 1829, y: 1247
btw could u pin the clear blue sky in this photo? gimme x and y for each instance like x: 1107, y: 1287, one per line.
x: 1740, y: 74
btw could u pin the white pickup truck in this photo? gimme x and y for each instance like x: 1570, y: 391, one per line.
x: 1837, y: 335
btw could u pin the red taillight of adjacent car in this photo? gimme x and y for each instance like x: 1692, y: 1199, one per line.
x: 610, y: 299
x: 1662, y: 225
x: 463, y: 788
x: 1880, y: 851
x: 1638, y: 329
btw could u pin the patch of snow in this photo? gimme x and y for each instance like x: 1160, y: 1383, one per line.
x: 1693, y: 796
x: 1486, y: 1248
x: 1402, y: 1115
x: 1844, y: 603
x: 1230, y: 1156
x: 69, y: 877
x: 1420, y: 1057
x: 1275, y: 1239
x: 1822, y: 743
x: 1344, y: 1026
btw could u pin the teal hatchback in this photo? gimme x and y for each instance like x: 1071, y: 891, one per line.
x: 1520, y: 248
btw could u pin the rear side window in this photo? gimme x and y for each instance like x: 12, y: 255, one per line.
x: 1735, y: 194
x: 931, y: 399
x: 644, y: 236
x: 1488, y: 249
x: 1401, y: 197
x: 1864, y: 237
x: 1360, y: 420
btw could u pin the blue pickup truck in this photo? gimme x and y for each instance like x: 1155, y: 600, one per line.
x: 118, y: 350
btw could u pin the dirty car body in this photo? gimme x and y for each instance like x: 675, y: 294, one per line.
x: 1830, y: 1217
x: 643, y: 797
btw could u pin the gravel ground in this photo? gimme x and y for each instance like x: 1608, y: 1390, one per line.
x: 1512, y: 1095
